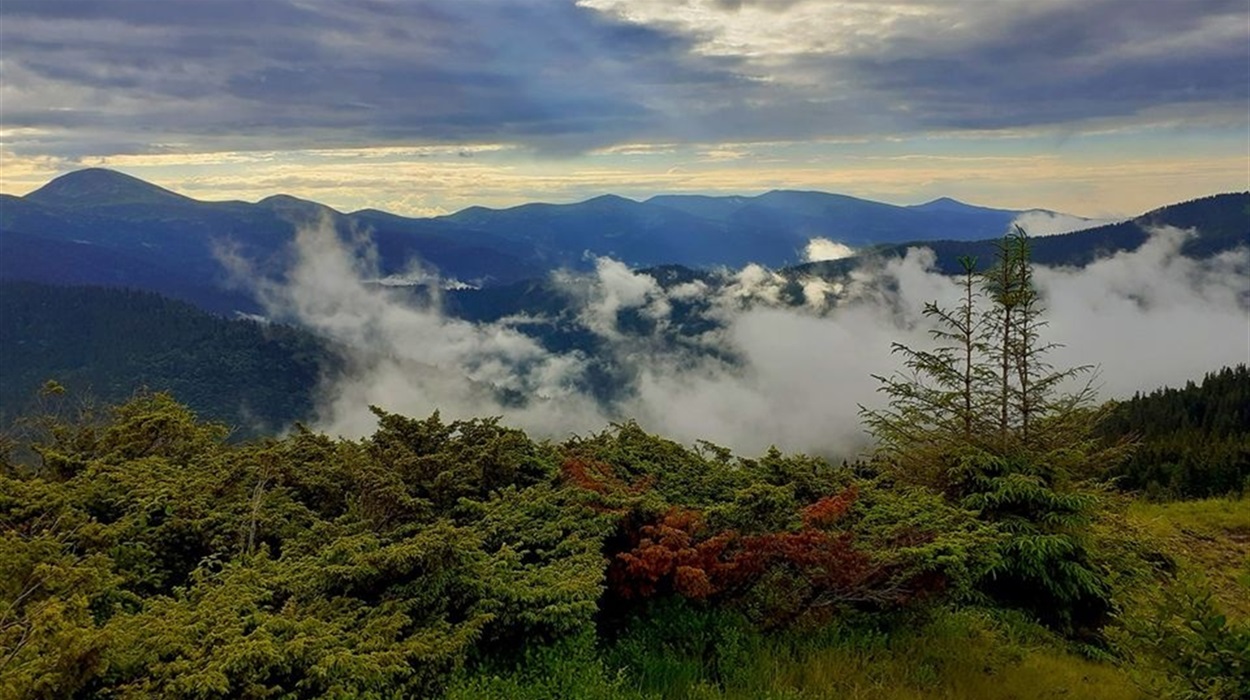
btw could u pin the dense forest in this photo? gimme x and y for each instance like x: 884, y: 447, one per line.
x: 975, y: 553
x: 107, y: 343
x: 1194, y: 441
x: 143, y: 556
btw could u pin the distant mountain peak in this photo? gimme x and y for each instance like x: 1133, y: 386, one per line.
x: 944, y: 202
x: 286, y: 200
x: 101, y: 186
x: 609, y: 200
x: 950, y: 204
x: 286, y: 204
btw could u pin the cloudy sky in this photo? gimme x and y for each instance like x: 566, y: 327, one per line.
x: 1093, y: 107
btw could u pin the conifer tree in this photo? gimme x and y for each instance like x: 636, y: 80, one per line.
x: 937, y: 406
x: 988, y: 384
x: 982, y: 417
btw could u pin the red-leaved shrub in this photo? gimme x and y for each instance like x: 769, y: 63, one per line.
x: 799, y: 570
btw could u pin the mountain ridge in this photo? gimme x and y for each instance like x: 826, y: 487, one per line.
x: 97, y: 186
x: 112, y: 214
x: 91, y: 184
x: 98, y: 226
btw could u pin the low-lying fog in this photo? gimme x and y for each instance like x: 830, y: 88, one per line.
x: 766, y: 373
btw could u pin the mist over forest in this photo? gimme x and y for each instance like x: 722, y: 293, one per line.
x: 760, y: 371
x: 625, y: 350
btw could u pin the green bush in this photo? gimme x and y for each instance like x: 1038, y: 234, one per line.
x: 1046, y: 559
x: 1194, y: 649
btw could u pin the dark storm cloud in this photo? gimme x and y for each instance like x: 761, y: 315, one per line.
x: 232, y: 15
x: 553, y: 76
x: 127, y: 76
x: 1024, y: 64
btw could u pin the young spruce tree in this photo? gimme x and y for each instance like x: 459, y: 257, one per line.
x: 983, y: 418
x: 938, y: 406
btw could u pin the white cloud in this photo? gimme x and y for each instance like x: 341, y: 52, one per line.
x: 1039, y: 222
x: 407, y: 356
x: 765, y: 31
x: 824, y: 249
x: 783, y: 375
x: 1151, y: 317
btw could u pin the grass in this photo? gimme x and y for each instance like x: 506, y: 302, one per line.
x: 1210, y: 516
x: 956, y: 654
x: 972, y: 654
x: 1209, y: 538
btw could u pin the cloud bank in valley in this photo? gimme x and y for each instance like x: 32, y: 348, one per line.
x: 1151, y: 317
x: 1039, y: 222
x: 821, y: 248
x: 763, y: 372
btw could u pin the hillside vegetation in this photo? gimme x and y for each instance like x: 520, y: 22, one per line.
x: 974, y: 555
x: 1194, y: 441
x: 110, y: 343
x: 143, y: 556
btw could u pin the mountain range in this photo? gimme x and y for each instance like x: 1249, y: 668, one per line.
x: 102, y: 227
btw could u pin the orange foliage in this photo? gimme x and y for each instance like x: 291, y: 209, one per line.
x: 676, y: 555
x: 818, y: 568
x: 828, y: 562
x: 599, y: 477
x: 693, y: 583
x: 666, y: 557
x: 829, y: 509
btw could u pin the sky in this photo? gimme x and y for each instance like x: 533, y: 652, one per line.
x: 1099, y: 108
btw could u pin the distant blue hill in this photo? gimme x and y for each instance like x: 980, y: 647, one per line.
x: 109, y: 230
x: 103, y: 227
x: 1221, y: 223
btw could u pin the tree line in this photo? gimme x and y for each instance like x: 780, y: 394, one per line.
x: 1194, y: 441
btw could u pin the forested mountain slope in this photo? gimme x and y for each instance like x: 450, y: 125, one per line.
x: 1195, y: 440
x: 1220, y: 222
x: 110, y: 342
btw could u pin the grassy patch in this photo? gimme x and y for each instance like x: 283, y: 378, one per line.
x: 1209, y: 538
x: 970, y: 654
x: 1209, y: 516
x: 966, y: 654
